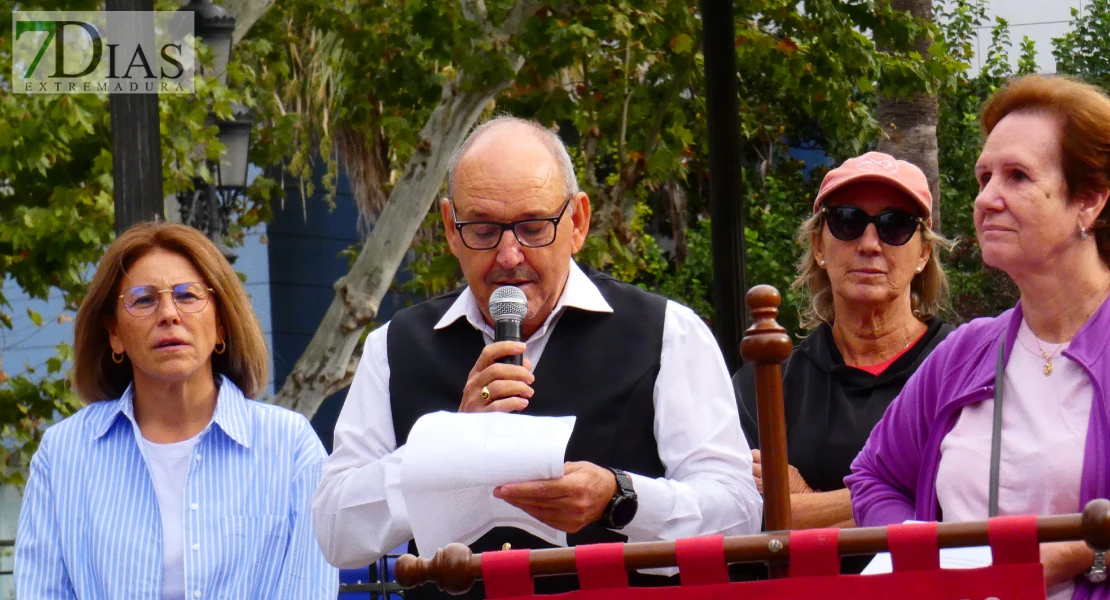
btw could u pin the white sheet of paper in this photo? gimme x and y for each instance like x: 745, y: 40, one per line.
x: 453, y: 461
x: 971, y: 557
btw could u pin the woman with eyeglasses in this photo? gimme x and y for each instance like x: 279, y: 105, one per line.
x: 871, y: 271
x: 1010, y: 415
x: 171, y: 484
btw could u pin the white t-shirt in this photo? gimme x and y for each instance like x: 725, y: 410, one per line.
x: 1044, y: 434
x: 169, y: 468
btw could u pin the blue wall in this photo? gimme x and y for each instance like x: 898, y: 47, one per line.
x: 305, y: 242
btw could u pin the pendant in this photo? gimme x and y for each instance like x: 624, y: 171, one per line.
x: 1047, y: 369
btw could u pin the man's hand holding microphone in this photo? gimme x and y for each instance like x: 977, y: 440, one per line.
x: 501, y: 380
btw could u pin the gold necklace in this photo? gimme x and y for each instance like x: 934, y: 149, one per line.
x: 1047, y: 358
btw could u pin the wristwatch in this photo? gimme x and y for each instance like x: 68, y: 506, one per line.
x: 1097, y: 573
x: 622, y: 508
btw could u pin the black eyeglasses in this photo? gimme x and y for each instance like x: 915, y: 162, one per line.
x: 143, y: 300
x: 895, y: 227
x: 531, y: 233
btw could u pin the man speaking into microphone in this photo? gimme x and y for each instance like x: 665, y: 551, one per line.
x: 657, y: 452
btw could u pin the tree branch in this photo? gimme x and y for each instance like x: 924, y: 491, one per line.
x: 518, y: 16
x: 589, y: 151
x: 246, y: 13
x: 475, y: 12
x: 622, y: 140
x: 661, y: 110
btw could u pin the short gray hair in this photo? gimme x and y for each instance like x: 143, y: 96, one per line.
x: 549, y: 138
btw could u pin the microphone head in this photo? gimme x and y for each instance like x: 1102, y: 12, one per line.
x: 508, y: 302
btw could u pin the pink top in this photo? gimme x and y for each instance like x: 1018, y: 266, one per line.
x: 1044, y: 429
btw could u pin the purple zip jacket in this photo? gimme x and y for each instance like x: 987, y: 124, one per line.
x: 894, y: 477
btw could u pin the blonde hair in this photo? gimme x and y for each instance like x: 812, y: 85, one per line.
x: 928, y: 290
x: 96, y: 377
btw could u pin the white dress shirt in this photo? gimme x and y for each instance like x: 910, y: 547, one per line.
x: 358, y: 509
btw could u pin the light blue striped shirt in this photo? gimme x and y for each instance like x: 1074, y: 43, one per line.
x: 90, y: 526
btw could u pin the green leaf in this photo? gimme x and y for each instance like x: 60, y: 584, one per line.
x: 683, y: 43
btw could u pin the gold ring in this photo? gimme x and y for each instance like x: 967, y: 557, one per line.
x: 485, y: 393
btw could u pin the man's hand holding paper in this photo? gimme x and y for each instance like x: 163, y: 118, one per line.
x: 453, y: 462
x: 568, y: 503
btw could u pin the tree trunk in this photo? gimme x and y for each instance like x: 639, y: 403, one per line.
x: 246, y: 13
x: 328, y: 363
x: 911, y: 125
x: 676, y: 196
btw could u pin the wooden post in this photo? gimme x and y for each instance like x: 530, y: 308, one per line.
x: 136, y: 145
x: 726, y: 200
x: 766, y: 345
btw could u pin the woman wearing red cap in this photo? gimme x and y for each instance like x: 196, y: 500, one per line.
x: 871, y: 270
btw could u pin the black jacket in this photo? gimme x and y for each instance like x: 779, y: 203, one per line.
x: 831, y: 407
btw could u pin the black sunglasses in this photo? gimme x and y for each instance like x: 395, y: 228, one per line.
x: 895, y: 227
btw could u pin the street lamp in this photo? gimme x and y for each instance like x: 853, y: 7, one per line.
x: 209, y: 206
x: 235, y: 135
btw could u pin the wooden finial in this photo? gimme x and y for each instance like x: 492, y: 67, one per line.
x: 449, y: 569
x: 1096, y: 524
x: 765, y: 342
x: 765, y: 346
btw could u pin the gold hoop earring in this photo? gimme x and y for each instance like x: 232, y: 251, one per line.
x: 118, y: 361
x: 221, y: 347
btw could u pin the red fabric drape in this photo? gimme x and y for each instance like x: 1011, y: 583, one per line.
x: 1015, y: 575
x: 601, y: 566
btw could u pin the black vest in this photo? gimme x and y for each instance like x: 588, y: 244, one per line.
x: 599, y: 367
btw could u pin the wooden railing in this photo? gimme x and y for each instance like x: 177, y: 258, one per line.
x: 455, y: 568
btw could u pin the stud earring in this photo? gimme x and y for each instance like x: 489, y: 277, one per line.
x: 821, y: 262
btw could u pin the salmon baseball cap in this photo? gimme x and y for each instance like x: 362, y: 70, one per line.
x: 880, y: 168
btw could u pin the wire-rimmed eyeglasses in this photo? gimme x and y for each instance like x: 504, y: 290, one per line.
x: 531, y: 233
x: 143, y: 300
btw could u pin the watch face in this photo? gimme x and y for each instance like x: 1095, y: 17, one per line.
x: 624, y: 511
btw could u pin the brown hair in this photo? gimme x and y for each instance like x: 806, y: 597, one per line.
x: 928, y: 290
x: 96, y: 377
x: 1084, y: 113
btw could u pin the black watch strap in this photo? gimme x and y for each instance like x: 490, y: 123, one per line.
x: 622, y: 507
x: 624, y: 482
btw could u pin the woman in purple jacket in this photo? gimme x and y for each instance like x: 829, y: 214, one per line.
x: 1040, y: 216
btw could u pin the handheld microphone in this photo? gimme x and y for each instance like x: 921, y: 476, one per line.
x: 508, y: 306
